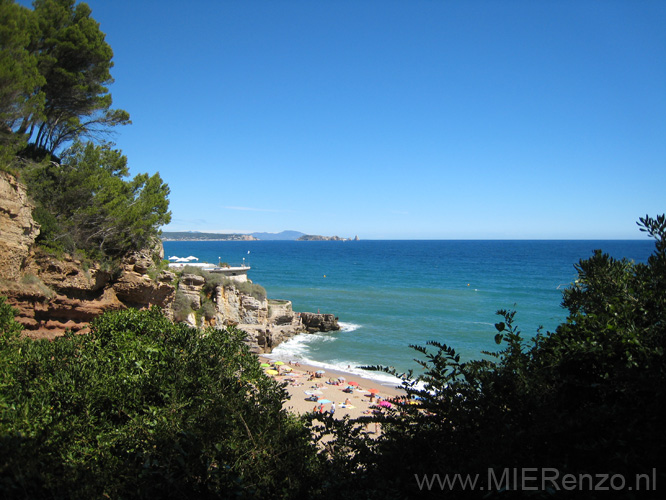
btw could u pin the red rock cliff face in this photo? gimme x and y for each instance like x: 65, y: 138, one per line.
x: 55, y: 294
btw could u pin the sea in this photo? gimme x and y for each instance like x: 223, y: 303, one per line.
x: 390, y: 295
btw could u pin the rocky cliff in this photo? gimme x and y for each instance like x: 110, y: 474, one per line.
x: 268, y: 322
x: 58, y: 293
x: 17, y: 228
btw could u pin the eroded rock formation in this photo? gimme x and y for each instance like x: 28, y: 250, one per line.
x: 18, y: 230
x: 268, y: 322
x: 56, y: 294
x: 314, y: 322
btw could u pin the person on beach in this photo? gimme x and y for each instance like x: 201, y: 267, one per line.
x: 332, y: 409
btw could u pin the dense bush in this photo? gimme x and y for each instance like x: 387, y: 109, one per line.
x: 86, y: 203
x: 9, y: 327
x: 143, y: 408
x: 182, y: 306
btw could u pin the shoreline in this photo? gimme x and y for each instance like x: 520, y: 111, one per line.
x: 362, y: 403
x: 377, y: 378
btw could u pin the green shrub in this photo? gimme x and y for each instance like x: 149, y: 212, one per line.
x: 9, y: 327
x: 588, y: 398
x: 156, y: 270
x: 144, y: 408
x: 30, y: 279
x: 213, y: 280
x: 208, y: 309
x: 182, y: 306
x: 249, y: 288
x: 193, y: 270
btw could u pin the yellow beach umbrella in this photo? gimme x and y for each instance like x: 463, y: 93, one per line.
x: 272, y: 372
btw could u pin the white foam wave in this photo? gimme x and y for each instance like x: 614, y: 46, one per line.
x: 485, y: 323
x: 297, y: 349
x: 348, y: 327
x: 351, y: 368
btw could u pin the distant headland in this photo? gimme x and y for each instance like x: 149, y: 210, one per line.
x: 282, y: 236
x: 312, y: 237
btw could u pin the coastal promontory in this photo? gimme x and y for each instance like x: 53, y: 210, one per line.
x: 55, y: 291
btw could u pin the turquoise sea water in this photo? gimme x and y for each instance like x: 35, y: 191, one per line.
x: 390, y: 294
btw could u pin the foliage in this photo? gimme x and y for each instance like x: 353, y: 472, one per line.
x: 143, y: 408
x: 19, y: 75
x: 249, y: 288
x: 588, y: 398
x: 54, y: 71
x: 160, y: 265
x: 9, y: 327
x: 207, y: 309
x: 213, y: 280
x: 85, y: 202
x: 181, y: 307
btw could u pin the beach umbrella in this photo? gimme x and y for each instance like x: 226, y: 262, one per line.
x: 265, y: 365
x: 278, y: 363
x: 352, y: 383
x: 272, y: 372
x: 323, y: 401
x: 373, y: 391
x: 385, y: 404
x: 320, y: 371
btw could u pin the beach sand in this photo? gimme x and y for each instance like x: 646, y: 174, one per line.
x: 298, y: 384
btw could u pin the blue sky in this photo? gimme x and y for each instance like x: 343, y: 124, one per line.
x: 392, y: 120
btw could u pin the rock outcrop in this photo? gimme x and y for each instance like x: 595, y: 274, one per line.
x: 268, y: 322
x: 18, y: 230
x: 319, y: 322
x: 58, y: 294
x: 55, y: 294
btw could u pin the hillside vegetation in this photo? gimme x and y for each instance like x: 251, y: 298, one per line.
x: 55, y: 111
x: 144, y: 408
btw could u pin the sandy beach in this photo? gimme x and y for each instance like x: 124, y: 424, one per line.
x: 309, y: 393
